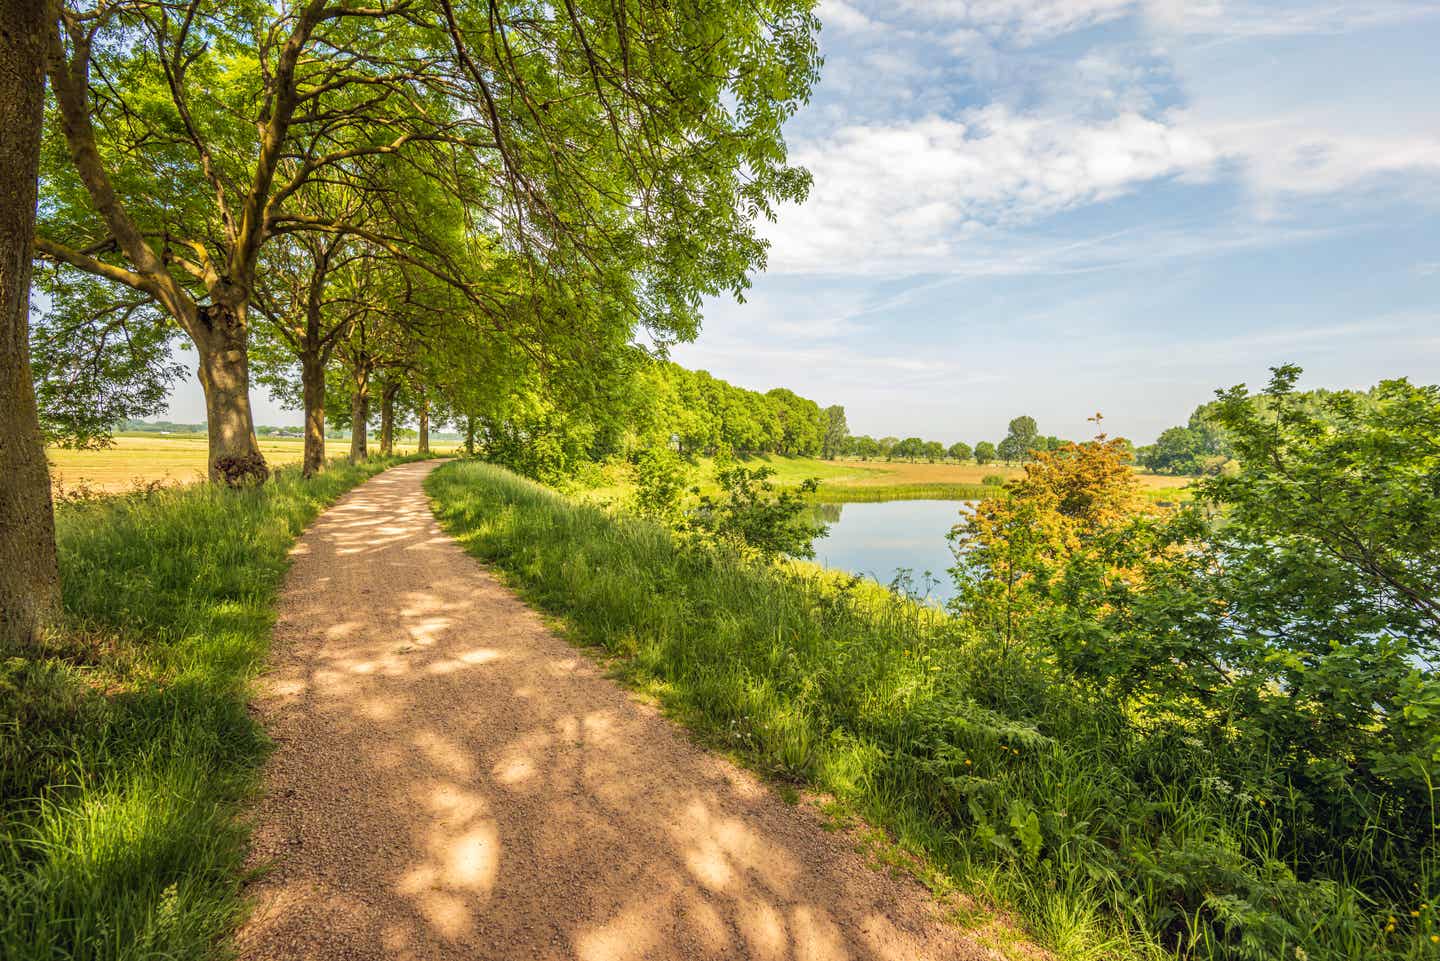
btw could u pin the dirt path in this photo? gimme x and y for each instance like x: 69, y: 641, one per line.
x: 455, y: 781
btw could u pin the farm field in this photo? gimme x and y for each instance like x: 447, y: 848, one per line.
x: 856, y: 480
x: 137, y: 459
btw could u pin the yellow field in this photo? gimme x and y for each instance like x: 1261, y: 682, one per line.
x: 897, y: 473
x: 173, y: 459
x: 868, y: 480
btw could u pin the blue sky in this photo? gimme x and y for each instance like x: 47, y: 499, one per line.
x: 1055, y: 207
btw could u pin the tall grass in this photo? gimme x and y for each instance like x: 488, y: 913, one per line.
x: 1009, y: 782
x: 125, y: 744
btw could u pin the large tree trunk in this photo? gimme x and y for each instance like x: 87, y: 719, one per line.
x: 235, y: 456
x: 424, y: 447
x: 387, y: 418
x: 29, y: 576
x: 359, y: 416
x: 312, y: 385
x: 469, y: 437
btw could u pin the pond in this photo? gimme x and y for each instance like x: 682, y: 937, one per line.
x: 881, y: 540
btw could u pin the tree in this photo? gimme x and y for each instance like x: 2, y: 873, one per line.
x: 960, y: 451
x: 934, y: 451
x: 1020, y: 442
x: 836, y: 432
x: 864, y: 447
x: 887, y: 446
x: 29, y: 575
x: 909, y: 448
x: 985, y: 453
x: 1016, y: 547
x: 1009, y: 450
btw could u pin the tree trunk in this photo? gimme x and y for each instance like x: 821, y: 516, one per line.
x: 235, y: 456
x: 424, y: 446
x: 312, y: 382
x: 359, y: 416
x: 387, y: 419
x: 29, y: 575
x: 469, y: 437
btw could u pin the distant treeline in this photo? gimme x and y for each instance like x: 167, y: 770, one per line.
x: 656, y: 404
x: 1020, y: 444
x: 661, y: 404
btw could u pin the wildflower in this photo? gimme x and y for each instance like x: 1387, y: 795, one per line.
x: 1435, y: 938
x: 967, y: 762
x: 1414, y: 914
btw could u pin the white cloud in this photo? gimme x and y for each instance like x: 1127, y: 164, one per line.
x: 1025, y: 21
x: 903, y: 196
x: 1295, y: 155
x: 842, y: 16
x: 1247, y: 18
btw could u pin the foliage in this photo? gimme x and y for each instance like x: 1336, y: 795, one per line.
x: 660, y: 485
x: 837, y: 432
x: 1276, y: 641
x: 985, y: 452
x: 98, y: 358
x: 959, y: 451
x: 910, y: 448
x: 752, y: 518
x: 1021, y: 441
x: 1010, y: 551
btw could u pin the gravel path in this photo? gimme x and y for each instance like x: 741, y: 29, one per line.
x: 453, y: 780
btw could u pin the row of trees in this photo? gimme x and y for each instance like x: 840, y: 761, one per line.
x: 650, y: 405
x: 450, y: 208
x: 1020, y: 445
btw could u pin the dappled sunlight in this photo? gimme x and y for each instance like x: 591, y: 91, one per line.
x: 472, y: 787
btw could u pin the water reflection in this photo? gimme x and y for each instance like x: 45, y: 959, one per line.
x: 886, y: 540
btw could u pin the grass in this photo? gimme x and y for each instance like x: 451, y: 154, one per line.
x: 126, y: 748
x: 142, y: 458
x: 853, y: 481
x: 1006, y: 781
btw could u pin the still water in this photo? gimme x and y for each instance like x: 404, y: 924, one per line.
x: 882, y: 540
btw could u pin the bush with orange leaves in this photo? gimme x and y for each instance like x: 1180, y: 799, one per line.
x: 1014, y: 553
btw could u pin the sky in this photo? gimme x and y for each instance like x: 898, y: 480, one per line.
x: 1059, y: 207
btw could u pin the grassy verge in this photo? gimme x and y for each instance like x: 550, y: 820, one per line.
x: 1018, y: 787
x: 125, y: 743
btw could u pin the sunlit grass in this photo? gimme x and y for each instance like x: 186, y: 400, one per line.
x: 125, y: 742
